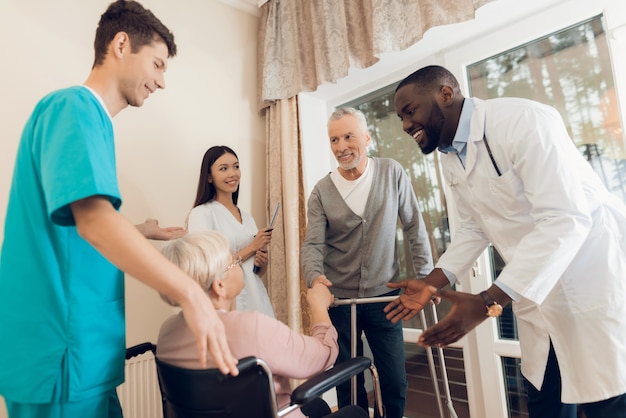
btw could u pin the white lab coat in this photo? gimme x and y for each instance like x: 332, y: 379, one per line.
x: 561, y: 234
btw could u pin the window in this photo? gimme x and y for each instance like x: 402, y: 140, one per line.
x: 390, y: 141
x: 570, y: 70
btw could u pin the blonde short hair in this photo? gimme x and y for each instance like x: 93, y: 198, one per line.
x: 203, y: 256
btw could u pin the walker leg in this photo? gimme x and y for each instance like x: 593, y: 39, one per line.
x: 353, y: 397
x: 431, y: 362
x: 353, y: 333
x: 444, y: 373
x: 433, y: 371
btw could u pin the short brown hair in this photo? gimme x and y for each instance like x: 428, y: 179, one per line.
x: 142, y: 27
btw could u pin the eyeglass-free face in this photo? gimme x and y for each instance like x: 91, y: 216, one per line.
x: 225, y: 174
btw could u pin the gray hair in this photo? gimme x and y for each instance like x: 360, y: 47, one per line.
x: 344, y: 111
x: 203, y: 256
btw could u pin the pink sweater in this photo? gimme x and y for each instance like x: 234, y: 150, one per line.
x: 288, y: 353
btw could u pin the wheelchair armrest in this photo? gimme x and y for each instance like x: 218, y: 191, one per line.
x: 139, y: 349
x: 328, y: 379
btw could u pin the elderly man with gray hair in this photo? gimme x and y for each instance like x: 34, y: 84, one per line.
x: 350, y: 246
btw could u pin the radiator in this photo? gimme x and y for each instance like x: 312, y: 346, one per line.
x: 139, y: 394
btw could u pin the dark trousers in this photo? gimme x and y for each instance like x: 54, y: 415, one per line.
x: 547, y: 401
x: 350, y: 411
x: 387, y: 344
x: 318, y: 408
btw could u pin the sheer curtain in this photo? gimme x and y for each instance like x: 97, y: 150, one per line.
x: 302, y: 44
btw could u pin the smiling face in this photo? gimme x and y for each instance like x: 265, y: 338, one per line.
x: 225, y: 174
x: 421, y: 117
x: 349, y: 143
x: 143, y: 72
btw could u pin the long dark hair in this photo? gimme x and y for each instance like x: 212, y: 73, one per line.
x: 206, y: 191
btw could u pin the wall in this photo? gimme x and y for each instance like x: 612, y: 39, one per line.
x: 209, y: 100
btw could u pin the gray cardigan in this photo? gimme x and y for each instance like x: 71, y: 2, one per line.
x: 358, y: 255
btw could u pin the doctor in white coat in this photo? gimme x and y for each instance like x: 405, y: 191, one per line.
x: 520, y: 184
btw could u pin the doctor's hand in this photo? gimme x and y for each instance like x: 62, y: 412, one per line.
x: 417, y: 293
x: 466, y: 313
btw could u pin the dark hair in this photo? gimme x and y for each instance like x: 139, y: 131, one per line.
x: 139, y: 23
x: 206, y: 191
x: 431, y: 77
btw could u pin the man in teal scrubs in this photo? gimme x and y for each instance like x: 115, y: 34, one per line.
x: 66, y: 244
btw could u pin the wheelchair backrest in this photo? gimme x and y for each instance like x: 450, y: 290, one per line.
x: 188, y: 393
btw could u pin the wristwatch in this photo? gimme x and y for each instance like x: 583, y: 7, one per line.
x: 494, y: 309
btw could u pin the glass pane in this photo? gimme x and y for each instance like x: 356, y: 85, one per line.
x: 570, y: 70
x: 507, y: 324
x: 390, y: 141
x: 517, y: 398
x: 514, y: 387
x: 421, y: 401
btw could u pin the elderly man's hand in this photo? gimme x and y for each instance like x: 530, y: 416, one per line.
x: 417, y: 293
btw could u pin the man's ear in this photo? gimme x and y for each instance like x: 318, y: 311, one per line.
x: 120, y: 44
x: 445, y: 96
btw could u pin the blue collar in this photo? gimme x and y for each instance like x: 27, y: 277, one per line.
x: 459, y: 143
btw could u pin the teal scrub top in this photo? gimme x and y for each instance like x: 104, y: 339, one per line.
x: 61, y: 302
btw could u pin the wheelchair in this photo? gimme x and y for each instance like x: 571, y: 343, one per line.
x: 190, y: 393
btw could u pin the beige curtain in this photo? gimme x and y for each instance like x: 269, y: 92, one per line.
x: 284, y: 178
x: 302, y: 44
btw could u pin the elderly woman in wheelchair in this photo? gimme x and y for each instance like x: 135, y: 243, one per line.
x: 289, y: 355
